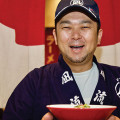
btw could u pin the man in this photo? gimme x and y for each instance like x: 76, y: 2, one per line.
x: 77, y: 77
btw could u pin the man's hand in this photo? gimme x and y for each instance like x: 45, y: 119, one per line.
x: 112, y: 117
x: 47, y: 116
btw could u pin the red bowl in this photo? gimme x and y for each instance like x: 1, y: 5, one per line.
x: 69, y: 112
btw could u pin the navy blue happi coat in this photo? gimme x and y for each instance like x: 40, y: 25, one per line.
x: 55, y: 84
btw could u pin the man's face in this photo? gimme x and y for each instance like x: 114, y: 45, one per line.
x: 77, y: 37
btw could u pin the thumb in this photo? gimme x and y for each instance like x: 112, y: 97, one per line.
x: 47, y: 116
x: 112, y: 117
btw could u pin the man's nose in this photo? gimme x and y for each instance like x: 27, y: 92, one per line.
x: 76, y: 34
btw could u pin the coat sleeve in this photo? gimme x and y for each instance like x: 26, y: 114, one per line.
x: 113, y: 76
x: 116, y: 100
x: 21, y: 102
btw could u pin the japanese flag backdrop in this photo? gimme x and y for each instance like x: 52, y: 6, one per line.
x: 22, y: 39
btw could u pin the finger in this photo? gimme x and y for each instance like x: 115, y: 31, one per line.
x: 48, y: 116
x: 112, y: 118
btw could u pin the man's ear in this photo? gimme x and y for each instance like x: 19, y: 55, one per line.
x: 55, y: 37
x: 100, y: 33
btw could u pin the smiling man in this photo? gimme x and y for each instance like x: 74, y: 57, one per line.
x: 77, y: 78
x: 77, y: 38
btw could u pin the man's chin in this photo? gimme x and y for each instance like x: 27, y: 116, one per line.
x: 77, y: 60
x: 74, y: 58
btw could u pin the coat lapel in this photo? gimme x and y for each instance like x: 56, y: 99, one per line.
x: 100, y: 95
x: 67, y: 85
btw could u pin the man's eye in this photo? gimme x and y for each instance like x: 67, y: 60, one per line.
x: 66, y: 27
x: 85, y: 27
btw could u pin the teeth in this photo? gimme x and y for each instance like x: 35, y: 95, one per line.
x: 76, y: 46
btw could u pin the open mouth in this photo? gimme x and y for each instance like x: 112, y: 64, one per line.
x: 76, y: 47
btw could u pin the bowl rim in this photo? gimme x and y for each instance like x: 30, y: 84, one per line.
x: 69, y: 106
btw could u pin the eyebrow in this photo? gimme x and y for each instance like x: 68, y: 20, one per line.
x: 86, y: 21
x: 65, y: 21
x: 81, y: 22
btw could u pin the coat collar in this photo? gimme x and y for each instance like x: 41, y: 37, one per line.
x: 69, y: 88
